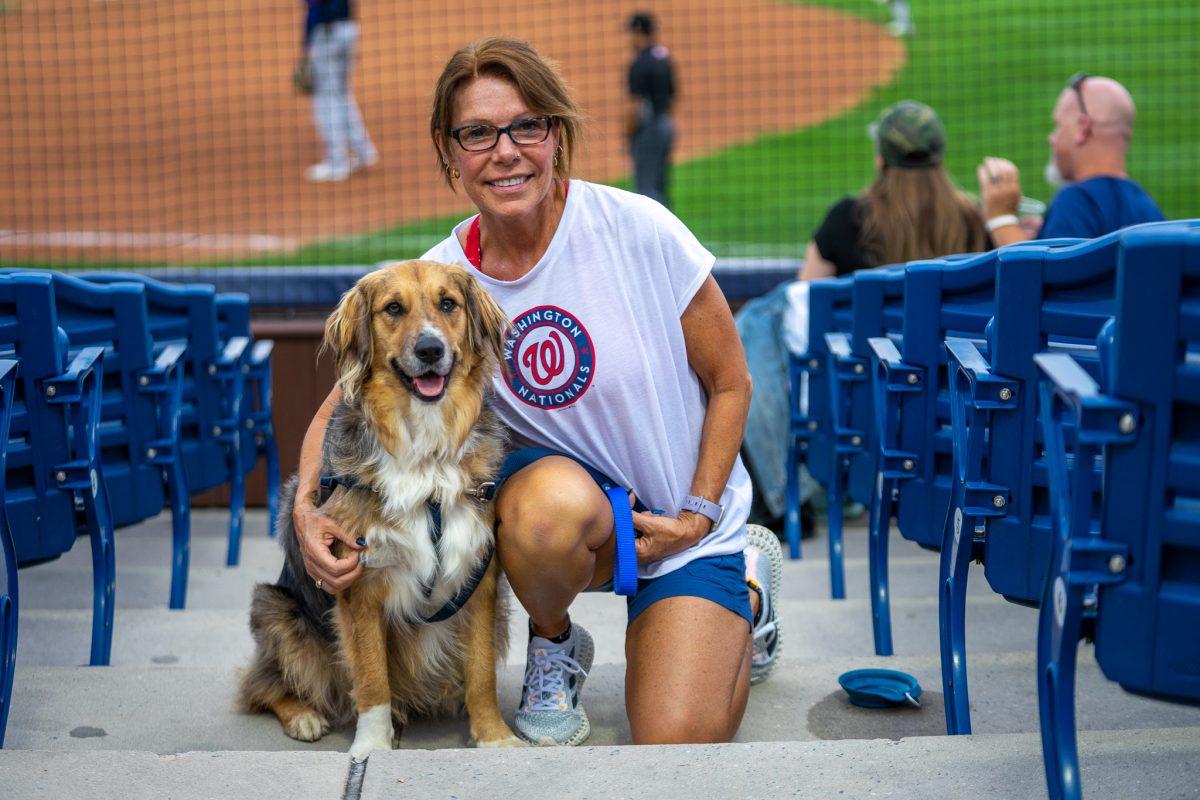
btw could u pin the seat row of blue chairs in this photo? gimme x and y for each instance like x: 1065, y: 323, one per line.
x: 122, y: 396
x: 1036, y: 410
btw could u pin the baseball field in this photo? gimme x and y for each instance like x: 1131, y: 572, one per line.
x: 142, y: 132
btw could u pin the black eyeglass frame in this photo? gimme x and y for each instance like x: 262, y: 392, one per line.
x: 549, y: 118
x: 1076, y: 84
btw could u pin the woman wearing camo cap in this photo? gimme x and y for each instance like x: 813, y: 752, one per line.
x: 912, y: 209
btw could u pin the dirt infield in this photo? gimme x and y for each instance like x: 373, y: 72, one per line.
x: 168, y: 131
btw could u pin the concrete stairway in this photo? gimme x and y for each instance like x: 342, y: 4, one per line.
x: 159, y: 722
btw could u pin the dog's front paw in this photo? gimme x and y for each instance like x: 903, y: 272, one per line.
x: 495, y: 734
x: 510, y: 741
x: 374, y: 732
x: 307, y: 726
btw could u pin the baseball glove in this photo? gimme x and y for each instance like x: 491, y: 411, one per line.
x: 302, y: 78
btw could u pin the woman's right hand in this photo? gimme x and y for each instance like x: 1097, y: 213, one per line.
x: 316, y: 534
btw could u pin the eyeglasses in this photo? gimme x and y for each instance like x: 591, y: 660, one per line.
x: 1076, y: 84
x: 527, y: 130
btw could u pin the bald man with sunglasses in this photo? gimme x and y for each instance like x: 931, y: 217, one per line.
x: 1093, y: 126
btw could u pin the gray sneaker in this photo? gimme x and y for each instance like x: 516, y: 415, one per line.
x: 764, y: 573
x: 550, y: 712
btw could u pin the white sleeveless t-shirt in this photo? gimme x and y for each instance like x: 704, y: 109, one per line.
x: 596, y: 358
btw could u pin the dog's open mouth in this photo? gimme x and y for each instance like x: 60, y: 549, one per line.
x: 428, y: 387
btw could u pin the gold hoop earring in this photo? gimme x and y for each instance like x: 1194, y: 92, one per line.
x: 558, y: 151
x: 453, y: 173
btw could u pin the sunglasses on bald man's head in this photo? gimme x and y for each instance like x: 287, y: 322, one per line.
x: 1076, y: 84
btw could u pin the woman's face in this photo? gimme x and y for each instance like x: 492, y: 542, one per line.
x: 508, y: 180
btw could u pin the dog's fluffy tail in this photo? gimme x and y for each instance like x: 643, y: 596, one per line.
x: 292, y: 658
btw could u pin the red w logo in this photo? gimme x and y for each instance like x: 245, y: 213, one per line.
x: 545, y: 360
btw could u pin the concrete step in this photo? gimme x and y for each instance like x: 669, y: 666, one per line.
x: 178, y: 709
x: 83, y: 775
x: 1156, y: 763
x: 202, y: 637
x: 210, y: 585
x: 1115, y: 766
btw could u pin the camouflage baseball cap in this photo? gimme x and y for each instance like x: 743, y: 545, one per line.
x: 910, y: 135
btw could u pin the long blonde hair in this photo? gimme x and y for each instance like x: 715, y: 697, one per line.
x: 913, y: 213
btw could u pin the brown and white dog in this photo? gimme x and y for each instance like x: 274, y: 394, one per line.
x: 415, y: 345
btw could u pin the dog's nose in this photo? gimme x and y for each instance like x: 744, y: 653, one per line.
x: 429, y: 350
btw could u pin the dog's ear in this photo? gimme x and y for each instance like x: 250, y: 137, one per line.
x: 348, y: 335
x: 487, y: 321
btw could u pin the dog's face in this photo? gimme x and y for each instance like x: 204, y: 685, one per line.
x: 418, y: 329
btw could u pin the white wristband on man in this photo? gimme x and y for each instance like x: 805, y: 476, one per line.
x: 1002, y: 221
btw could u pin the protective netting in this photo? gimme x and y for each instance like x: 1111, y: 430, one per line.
x: 152, y: 131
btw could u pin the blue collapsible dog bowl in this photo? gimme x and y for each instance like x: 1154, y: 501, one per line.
x: 881, y: 688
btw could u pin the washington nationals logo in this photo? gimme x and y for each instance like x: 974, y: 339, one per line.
x: 550, y: 358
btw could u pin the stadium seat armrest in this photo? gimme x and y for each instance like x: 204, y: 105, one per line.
x: 158, y: 377
x: 69, y: 386
x: 846, y: 365
x: 1100, y: 419
x: 987, y: 389
x: 897, y: 376
x: 261, y: 353
x: 232, y: 353
x: 884, y: 349
x: 1070, y: 381
x: 801, y: 363
x: 838, y: 344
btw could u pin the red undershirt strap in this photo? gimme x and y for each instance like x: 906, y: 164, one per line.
x: 474, y: 248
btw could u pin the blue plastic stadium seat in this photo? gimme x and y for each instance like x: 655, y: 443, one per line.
x: 140, y: 442
x: 811, y: 427
x: 213, y: 387
x: 1125, y: 545
x: 54, y: 479
x: 9, y: 596
x: 258, y: 426
x: 907, y: 467
x: 911, y: 407
x: 1046, y: 297
x: 1056, y: 294
x: 877, y: 308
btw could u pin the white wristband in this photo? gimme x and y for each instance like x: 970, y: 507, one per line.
x: 1002, y: 221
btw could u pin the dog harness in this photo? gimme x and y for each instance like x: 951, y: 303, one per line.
x: 483, y: 492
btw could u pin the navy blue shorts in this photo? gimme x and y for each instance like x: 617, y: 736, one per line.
x: 721, y: 579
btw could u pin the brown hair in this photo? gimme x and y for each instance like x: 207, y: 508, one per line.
x: 535, y: 78
x: 918, y: 213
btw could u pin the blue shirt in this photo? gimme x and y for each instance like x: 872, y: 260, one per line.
x: 1098, y: 206
x: 320, y: 12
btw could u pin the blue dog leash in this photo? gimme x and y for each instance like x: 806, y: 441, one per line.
x: 625, y: 578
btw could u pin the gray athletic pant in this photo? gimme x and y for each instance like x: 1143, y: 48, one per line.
x: 331, y: 51
x: 650, y: 147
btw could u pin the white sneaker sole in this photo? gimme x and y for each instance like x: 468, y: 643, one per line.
x: 767, y: 543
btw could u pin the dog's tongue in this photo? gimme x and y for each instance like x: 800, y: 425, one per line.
x: 430, y: 385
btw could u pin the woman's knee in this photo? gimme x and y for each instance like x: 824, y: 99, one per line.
x: 552, y: 511
x: 682, y: 725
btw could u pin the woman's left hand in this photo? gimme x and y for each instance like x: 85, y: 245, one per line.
x: 661, y: 536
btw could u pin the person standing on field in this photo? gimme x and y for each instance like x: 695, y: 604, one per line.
x: 330, y: 45
x: 648, y: 121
